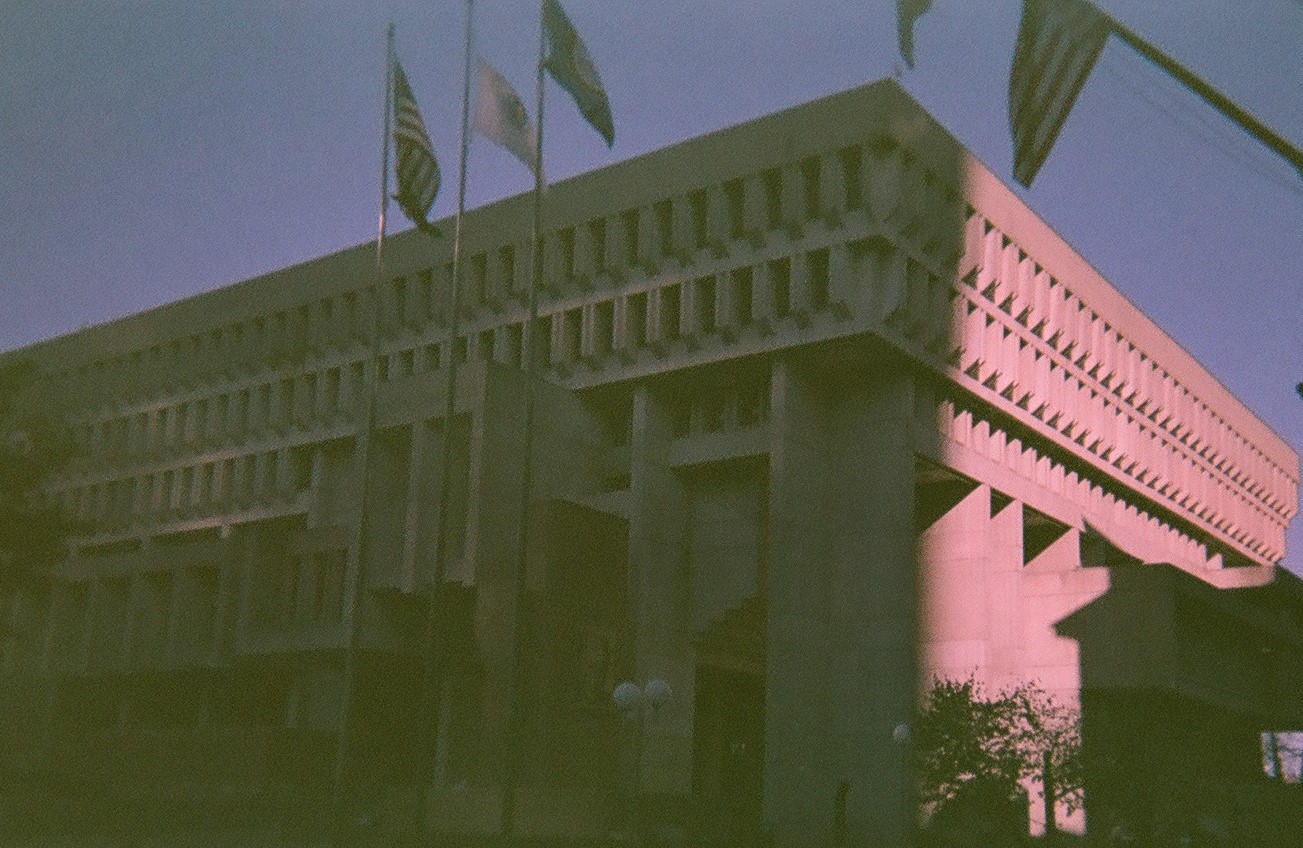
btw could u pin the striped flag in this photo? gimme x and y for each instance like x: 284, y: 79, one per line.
x: 907, y: 12
x: 417, y: 171
x: 1058, y: 43
x: 501, y: 117
x: 572, y: 67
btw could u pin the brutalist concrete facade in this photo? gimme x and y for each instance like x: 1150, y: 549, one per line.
x: 824, y: 411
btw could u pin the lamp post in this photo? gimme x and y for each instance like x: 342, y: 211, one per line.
x: 636, y: 705
x: 902, y: 735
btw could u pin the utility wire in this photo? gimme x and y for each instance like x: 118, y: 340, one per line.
x: 1231, y: 145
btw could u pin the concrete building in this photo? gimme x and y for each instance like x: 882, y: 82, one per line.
x: 824, y: 412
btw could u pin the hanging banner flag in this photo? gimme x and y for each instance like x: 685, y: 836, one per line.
x: 501, y: 117
x: 572, y: 67
x: 417, y: 170
x: 1058, y: 43
x: 907, y: 12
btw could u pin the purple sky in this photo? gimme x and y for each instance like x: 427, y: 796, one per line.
x: 154, y: 150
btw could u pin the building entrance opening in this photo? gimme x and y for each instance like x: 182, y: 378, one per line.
x: 728, y: 752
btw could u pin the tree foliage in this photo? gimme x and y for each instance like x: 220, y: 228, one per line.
x: 33, y: 445
x: 966, y: 740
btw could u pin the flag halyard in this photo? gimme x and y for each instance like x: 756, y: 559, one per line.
x: 417, y: 169
x: 571, y: 65
x: 1058, y: 43
x: 500, y: 115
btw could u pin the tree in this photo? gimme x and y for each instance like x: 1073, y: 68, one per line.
x: 978, y: 750
x: 33, y: 445
x: 1048, y: 739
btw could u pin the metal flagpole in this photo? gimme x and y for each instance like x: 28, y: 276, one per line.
x: 433, y: 700
x: 516, y: 726
x: 1212, y: 96
x: 384, y: 145
x: 361, y: 455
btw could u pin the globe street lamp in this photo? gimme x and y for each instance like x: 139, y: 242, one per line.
x: 637, y: 704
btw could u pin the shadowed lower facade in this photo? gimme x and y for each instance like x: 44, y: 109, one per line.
x: 824, y: 412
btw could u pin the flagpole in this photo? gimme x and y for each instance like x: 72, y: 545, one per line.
x: 361, y: 455
x: 1212, y: 96
x: 517, y: 721
x: 384, y: 145
x: 433, y: 688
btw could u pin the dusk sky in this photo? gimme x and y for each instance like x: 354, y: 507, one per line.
x: 154, y: 150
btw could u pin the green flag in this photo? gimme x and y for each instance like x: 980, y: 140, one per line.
x: 572, y: 67
x: 907, y: 12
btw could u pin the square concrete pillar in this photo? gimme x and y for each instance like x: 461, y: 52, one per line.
x: 842, y: 643
x: 800, y: 786
x: 662, y: 625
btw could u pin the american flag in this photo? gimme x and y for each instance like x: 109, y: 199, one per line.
x: 1058, y: 43
x: 418, y: 171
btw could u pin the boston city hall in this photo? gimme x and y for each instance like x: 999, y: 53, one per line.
x: 822, y: 412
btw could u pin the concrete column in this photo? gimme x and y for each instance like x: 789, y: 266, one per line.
x: 616, y: 248
x: 585, y: 253
x: 682, y: 242
x: 840, y: 274
x: 1004, y: 567
x: 284, y: 482
x: 762, y: 294
x: 716, y: 215
x: 877, y: 627
x: 832, y: 189
x: 953, y: 594
x: 655, y: 328
x: 883, y: 171
x: 799, y: 288
x: 620, y: 324
x: 416, y: 527
x: 587, y: 331
x: 553, y: 278
x: 492, y: 535
x: 792, y: 205
x: 657, y: 574
x: 800, y: 785
x: 649, y: 253
x: 726, y: 305
x: 754, y: 218
x: 688, y: 309
x: 842, y: 631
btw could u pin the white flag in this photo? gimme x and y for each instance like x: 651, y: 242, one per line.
x: 501, y: 116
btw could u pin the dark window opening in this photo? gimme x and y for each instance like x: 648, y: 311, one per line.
x: 773, y: 182
x: 742, y: 279
x: 572, y: 330
x: 698, y: 209
x: 780, y: 286
x: 671, y: 312
x: 665, y: 227
x: 735, y: 198
x: 597, y: 232
x: 515, y: 333
x: 816, y: 262
x: 629, y: 222
x: 811, y: 174
x: 704, y: 300
x: 507, y: 262
x: 566, y: 243
x: 636, y: 319
x: 603, y: 327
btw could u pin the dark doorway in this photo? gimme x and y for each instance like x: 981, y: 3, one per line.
x: 728, y: 753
